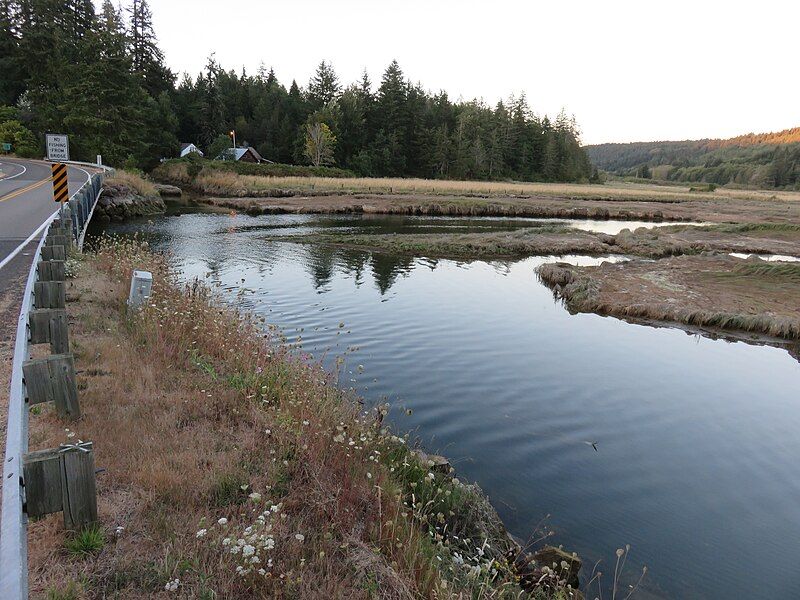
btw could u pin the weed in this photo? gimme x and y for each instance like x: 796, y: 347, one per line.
x: 71, y: 591
x: 86, y: 542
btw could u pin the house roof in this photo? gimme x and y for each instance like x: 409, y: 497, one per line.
x: 238, y: 153
x: 185, y: 145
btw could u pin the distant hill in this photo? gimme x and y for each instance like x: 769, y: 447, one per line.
x: 770, y: 160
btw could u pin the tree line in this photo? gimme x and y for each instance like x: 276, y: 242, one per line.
x: 102, y: 79
x: 766, y: 160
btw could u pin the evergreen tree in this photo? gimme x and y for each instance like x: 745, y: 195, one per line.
x: 146, y: 56
x: 11, y: 83
x: 323, y: 88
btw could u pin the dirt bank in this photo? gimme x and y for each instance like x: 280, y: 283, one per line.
x: 754, y: 299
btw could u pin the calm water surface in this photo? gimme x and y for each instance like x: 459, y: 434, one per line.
x: 697, y: 440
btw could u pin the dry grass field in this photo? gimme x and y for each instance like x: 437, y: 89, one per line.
x: 217, y: 182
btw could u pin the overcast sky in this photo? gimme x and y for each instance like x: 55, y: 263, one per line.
x: 628, y: 70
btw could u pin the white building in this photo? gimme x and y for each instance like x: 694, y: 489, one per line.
x: 188, y: 148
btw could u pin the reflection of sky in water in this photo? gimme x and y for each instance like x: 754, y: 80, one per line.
x: 697, y: 439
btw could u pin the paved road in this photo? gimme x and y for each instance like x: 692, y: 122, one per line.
x: 26, y: 199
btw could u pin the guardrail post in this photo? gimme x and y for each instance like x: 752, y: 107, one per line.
x: 54, y: 253
x: 78, y: 487
x: 48, y: 325
x: 62, y: 479
x: 42, y: 476
x: 52, y: 270
x: 49, y: 294
x: 52, y: 379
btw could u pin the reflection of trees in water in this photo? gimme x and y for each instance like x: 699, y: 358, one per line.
x: 386, y: 267
x: 323, y: 261
x: 320, y: 262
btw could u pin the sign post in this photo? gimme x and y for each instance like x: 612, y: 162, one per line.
x: 57, y: 146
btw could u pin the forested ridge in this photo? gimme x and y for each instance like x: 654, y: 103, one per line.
x: 770, y: 160
x: 102, y: 79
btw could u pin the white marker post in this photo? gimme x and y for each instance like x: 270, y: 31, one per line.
x: 141, y: 287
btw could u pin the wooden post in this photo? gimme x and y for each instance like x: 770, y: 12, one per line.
x: 49, y: 325
x: 62, y: 479
x: 42, y: 476
x: 78, y: 488
x: 52, y: 270
x: 56, y: 240
x: 54, y: 253
x: 49, y: 294
x: 52, y: 379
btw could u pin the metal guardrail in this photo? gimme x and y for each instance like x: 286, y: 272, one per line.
x: 13, y: 526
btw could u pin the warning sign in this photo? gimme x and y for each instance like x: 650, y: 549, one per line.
x: 57, y: 146
x: 60, y: 183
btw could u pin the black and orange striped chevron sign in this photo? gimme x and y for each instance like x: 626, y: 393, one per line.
x: 60, y: 183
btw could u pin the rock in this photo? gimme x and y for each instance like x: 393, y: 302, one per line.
x: 168, y: 190
x: 553, y: 557
x: 119, y: 202
x: 436, y: 463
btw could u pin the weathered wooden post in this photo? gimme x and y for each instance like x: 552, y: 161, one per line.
x: 62, y: 479
x: 78, y: 487
x: 49, y: 294
x: 49, y: 325
x: 54, y: 253
x: 52, y: 270
x: 56, y: 240
x: 52, y: 379
x: 42, y: 476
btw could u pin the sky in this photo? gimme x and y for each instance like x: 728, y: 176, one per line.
x: 628, y: 70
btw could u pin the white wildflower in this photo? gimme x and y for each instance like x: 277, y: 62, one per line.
x: 299, y: 536
x: 172, y: 585
x: 201, y: 533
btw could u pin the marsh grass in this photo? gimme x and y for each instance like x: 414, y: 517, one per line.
x: 748, y: 297
x: 133, y: 180
x: 215, y: 181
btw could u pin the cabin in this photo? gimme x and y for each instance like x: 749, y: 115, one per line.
x: 248, y: 154
x: 187, y: 149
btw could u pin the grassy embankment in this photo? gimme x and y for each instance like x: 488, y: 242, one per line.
x: 234, y: 469
x: 132, y: 180
x: 714, y: 292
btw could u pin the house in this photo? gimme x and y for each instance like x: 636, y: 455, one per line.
x: 248, y: 154
x: 189, y: 148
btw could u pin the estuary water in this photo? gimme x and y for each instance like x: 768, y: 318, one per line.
x: 696, y: 456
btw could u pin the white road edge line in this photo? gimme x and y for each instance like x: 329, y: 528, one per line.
x: 24, y: 170
x: 41, y: 228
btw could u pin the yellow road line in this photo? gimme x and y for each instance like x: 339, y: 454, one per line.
x: 28, y: 188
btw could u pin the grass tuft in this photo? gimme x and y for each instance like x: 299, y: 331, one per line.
x: 87, y: 541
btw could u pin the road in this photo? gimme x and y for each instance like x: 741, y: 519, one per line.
x: 26, y: 201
